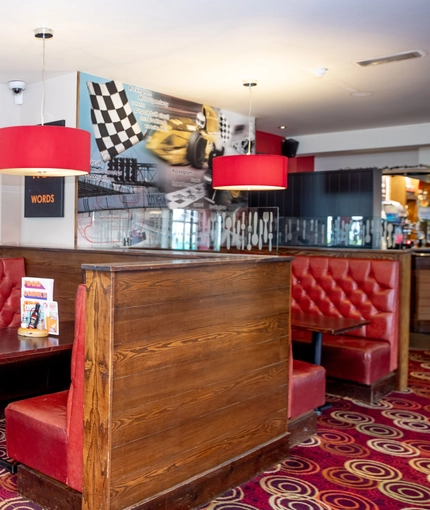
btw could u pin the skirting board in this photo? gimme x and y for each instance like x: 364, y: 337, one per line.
x: 54, y: 495
x: 370, y: 394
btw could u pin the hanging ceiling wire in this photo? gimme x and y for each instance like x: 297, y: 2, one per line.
x: 43, y: 33
x: 250, y: 84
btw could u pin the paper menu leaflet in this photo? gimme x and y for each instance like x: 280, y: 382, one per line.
x: 40, y: 289
x: 48, y: 314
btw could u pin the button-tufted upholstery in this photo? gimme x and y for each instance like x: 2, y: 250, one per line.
x: 358, y: 288
x: 12, y: 272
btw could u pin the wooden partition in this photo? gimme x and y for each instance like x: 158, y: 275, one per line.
x: 65, y: 266
x: 404, y: 257
x: 187, y: 356
x: 186, y: 379
x: 420, y: 292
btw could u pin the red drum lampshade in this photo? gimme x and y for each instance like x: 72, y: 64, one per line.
x: 249, y: 172
x: 51, y: 151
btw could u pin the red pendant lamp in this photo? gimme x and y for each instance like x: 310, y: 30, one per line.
x: 49, y: 151
x: 244, y: 172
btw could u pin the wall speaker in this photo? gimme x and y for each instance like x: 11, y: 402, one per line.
x: 289, y: 147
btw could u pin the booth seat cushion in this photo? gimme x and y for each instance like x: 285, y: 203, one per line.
x: 46, y: 432
x: 307, y: 388
x: 12, y: 270
x: 356, y: 288
x: 36, y: 433
x: 348, y: 357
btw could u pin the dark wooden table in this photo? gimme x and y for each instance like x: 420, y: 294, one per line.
x: 32, y: 366
x: 14, y: 347
x: 319, y: 324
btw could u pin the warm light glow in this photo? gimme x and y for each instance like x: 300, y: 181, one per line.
x: 49, y: 151
x: 249, y: 172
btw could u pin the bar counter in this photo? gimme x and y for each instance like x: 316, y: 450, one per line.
x: 420, y: 291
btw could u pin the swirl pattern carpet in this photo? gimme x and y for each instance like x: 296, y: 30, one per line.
x: 363, y: 457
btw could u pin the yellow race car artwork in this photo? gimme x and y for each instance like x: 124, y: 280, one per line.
x: 189, y: 141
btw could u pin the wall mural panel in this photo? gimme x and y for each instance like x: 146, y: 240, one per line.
x: 151, y: 151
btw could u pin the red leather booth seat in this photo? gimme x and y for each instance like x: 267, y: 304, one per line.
x: 306, y: 392
x: 12, y: 272
x: 357, y: 288
x: 307, y: 388
x: 46, y: 432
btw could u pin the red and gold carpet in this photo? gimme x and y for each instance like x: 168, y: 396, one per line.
x: 362, y: 458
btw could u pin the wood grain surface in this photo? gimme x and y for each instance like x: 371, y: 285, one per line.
x: 405, y: 259
x: 186, y: 370
x: 186, y: 373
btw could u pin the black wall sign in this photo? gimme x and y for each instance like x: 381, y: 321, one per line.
x: 44, y: 197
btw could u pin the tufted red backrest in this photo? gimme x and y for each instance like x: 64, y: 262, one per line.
x: 358, y: 288
x: 12, y: 272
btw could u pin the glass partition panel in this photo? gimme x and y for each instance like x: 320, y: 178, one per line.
x: 332, y: 231
x: 242, y: 229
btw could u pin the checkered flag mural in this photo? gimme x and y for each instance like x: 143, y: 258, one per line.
x: 224, y: 129
x: 115, y: 126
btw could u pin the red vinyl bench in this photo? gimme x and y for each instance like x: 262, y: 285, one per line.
x: 362, y: 363
x: 12, y: 272
x: 46, y: 432
x: 306, y: 393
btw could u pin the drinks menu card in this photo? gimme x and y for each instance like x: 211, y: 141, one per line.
x: 39, y: 290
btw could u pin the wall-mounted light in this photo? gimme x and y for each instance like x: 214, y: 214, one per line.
x: 51, y: 151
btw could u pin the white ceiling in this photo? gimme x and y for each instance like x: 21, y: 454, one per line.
x: 202, y: 51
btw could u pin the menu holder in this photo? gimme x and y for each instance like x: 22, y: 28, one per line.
x: 39, y: 313
x: 36, y: 333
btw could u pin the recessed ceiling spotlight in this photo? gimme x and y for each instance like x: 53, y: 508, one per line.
x: 359, y: 93
x: 395, y: 57
x: 282, y: 127
x: 319, y: 72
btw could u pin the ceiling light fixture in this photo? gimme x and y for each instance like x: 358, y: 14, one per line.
x: 361, y: 93
x: 48, y: 151
x: 319, y: 72
x: 395, y: 57
x: 242, y: 172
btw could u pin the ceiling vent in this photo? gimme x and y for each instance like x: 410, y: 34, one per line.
x: 395, y: 57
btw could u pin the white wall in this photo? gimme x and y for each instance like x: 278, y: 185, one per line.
x: 10, y: 218
x: 367, y: 160
x: 388, y: 147
x: 378, y: 139
x: 60, y: 103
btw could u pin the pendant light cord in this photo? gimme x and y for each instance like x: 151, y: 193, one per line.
x: 249, y: 84
x: 42, y: 108
x: 43, y: 33
x: 249, y: 119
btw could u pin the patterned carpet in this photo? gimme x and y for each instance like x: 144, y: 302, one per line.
x: 363, y: 458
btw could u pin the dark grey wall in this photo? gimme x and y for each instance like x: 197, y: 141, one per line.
x: 333, y: 193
